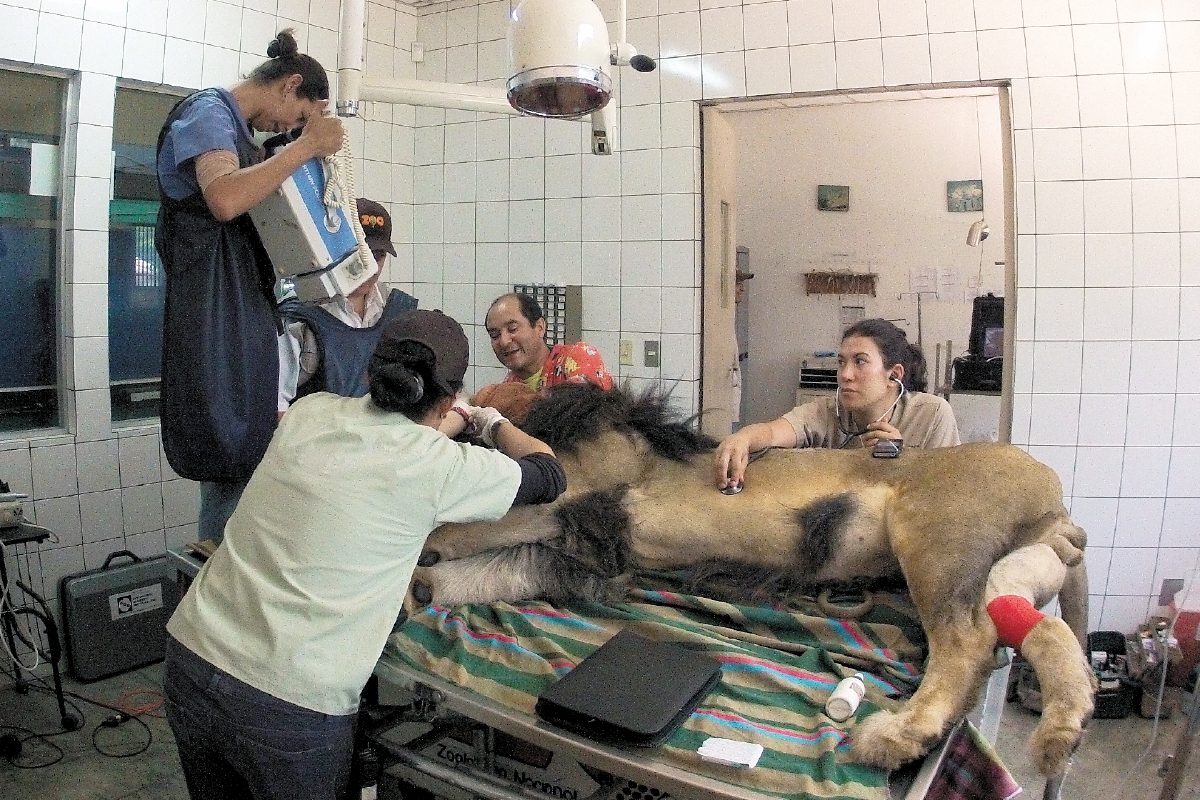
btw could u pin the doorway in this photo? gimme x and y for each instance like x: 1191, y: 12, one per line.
x: 830, y: 189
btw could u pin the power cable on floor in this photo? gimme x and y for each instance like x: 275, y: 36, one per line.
x: 124, y: 711
x: 12, y: 746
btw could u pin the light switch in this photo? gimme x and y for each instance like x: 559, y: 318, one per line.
x: 626, y: 353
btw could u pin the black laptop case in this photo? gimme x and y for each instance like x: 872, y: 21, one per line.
x: 631, y: 690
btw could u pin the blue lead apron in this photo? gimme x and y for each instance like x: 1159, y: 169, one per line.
x: 220, y: 359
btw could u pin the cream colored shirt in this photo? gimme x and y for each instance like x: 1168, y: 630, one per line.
x: 302, y: 594
x: 925, y: 420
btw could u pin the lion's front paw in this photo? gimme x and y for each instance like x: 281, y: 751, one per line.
x: 420, y: 591
x: 887, y: 740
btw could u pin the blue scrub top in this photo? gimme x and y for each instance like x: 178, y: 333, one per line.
x: 209, y: 124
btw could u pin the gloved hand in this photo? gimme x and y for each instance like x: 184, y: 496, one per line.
x: 483, y: 423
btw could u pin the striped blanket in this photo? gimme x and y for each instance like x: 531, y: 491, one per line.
x: 778, y: 666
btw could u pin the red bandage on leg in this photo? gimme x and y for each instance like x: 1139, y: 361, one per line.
x: 1014, y: 617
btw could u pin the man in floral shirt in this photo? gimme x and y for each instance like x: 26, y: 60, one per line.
x: 517, y: 328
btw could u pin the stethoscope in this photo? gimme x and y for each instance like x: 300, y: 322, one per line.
x: 852, y: 434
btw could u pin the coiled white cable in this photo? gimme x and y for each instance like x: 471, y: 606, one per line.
x: 339, y: 177
x: 6, y: 607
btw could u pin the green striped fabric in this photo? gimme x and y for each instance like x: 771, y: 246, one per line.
x: 778, y: 666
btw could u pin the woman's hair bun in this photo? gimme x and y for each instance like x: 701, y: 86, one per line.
x: 283, y: 45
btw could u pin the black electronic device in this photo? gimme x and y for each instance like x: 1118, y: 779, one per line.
x: 973, y: 374
x: 987, y: 327
x: 631, y: 690
x: 887, y: 448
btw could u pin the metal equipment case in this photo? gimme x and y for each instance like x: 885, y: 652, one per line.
x: 115, y: 617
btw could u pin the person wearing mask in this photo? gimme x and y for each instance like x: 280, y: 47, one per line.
x: 880, y: 397
x: 329, y: 343
x: 517, y: 327
x: 272, y: 645
x: 220, y: 326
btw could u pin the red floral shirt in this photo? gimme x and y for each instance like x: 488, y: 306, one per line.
x: 568, y: 363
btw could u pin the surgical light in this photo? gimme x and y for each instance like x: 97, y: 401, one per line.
x: 559, y: 57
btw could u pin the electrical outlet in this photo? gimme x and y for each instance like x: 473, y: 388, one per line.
x: 650, y: 353
x: 626, y: 353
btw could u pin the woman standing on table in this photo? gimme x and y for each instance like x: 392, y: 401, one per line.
x: 880, y: 398
x: 220, y: 361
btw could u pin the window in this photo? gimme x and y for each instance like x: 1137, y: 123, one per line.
x: 31, y: 119
x: 136, y: 286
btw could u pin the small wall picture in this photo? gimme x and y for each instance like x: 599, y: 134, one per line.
x: 964, y: 195
x: 833, y: 198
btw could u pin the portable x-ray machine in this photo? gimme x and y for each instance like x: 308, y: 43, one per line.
x: 311, y: 229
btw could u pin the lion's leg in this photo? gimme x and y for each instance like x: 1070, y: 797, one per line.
x: 1035, y: 573
x: 525, y: 572
x: 1068, y: 691
x: 1073, y: 602
x: 960, y: 657
x: 522, y: 525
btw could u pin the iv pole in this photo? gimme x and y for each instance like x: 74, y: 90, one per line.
x: 920, y: 332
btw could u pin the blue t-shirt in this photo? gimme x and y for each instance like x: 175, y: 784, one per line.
x: 208, y: 124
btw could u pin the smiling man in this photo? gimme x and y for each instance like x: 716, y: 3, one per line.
x: 517, y: 327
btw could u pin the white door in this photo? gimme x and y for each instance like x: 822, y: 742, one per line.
x: 720, y: 379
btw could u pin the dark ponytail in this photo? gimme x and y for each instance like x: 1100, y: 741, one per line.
x: 895, y: 348
x: 915, y: 372
x: 404, y: 383
x: 286, y: 59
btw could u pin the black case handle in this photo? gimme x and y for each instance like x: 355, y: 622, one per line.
x: 118, y: 554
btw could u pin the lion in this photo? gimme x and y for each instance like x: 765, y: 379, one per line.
x: 962, y: 527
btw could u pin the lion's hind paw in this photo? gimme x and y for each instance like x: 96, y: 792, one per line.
x: 886, y: 740
x: 1053, y: 743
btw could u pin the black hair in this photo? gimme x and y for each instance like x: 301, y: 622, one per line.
x: 285, y: 59
x: 895, y: 348
x: 530, y: 309
x: 405, y: 384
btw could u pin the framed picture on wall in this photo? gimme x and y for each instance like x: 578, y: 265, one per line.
x: 964, y: 195
x: 833, y: 198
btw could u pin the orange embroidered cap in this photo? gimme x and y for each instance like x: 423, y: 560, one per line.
x: 376, y: 225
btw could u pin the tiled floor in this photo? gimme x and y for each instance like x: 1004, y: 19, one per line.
x: 1106, y: 766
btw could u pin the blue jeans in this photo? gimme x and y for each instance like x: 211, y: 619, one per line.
x: 218, y: 499
x: 237, y: 742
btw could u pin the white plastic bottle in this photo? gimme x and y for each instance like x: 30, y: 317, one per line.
x: 845, y: 698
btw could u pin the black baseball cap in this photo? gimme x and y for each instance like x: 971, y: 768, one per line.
x: 440, y: 333
x: 376, y: 225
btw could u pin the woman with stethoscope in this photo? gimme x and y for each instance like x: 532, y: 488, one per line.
x: 880, y: 399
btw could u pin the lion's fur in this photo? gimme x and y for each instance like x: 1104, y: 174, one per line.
x: 513, y: 398
x: 938, y: 519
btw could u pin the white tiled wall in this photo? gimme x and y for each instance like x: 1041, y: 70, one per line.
x: 1106, y: 111
x: 99, y: 489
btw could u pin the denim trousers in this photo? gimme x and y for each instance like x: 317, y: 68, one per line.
x: 237, y: 742
x: 218, y: 499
